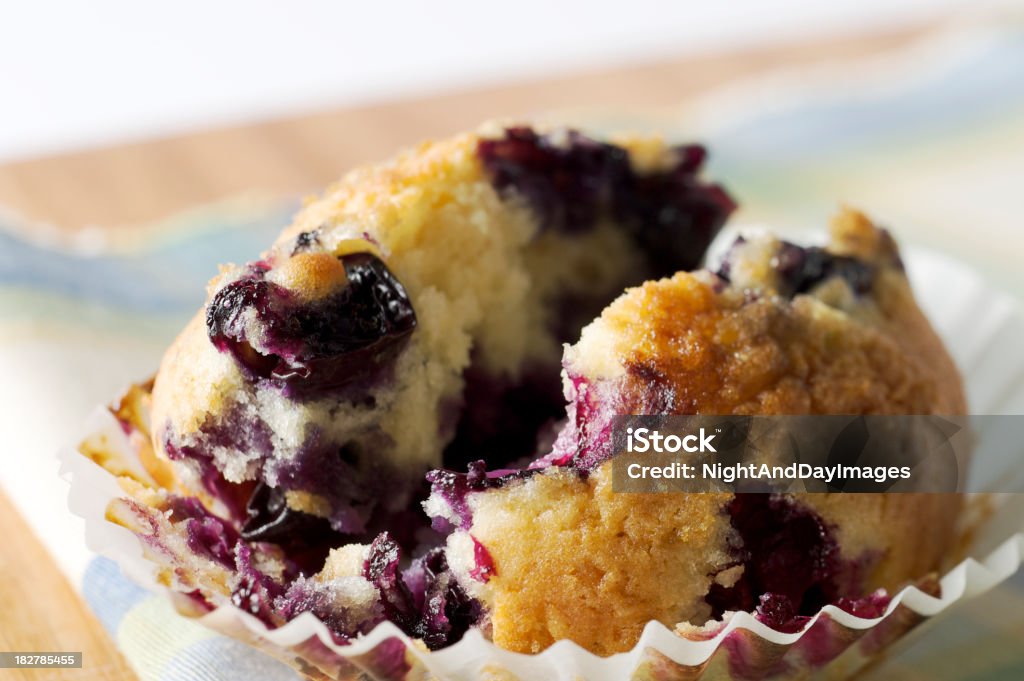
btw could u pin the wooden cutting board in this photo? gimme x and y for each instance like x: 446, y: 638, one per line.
x: 122, y: 186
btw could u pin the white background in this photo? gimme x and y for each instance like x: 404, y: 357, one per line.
x: 79, y: 74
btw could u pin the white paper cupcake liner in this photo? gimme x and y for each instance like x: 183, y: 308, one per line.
x: 983, y: 329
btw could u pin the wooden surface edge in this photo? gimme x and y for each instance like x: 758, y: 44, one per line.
x: 42, y: 612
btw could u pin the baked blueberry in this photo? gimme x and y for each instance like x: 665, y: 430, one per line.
x: 313, y: 345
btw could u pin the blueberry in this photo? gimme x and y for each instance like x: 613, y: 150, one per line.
x: 564, y: 183
x: 314, y: 346
x: 445, y: 610
x: 381, y: 569
x: 572, y: 182
x: 672, y: 215
x: 801, y: 269
x: 788, y: 554
x: 270, y: 519
x: 207, y: 535
x: 255, y: 591
x: 372, y: 310
x: 776, y: 611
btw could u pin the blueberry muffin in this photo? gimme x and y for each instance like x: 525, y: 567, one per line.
x: 399, y: 349
x: 775, y: 329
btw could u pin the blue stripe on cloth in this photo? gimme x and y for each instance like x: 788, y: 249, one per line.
x: 967, y: 93
x: 162, y: 276
x: 224, y: 659
x: 109, y: 593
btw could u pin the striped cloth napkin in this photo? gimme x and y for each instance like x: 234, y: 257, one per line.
x: 931, y: 142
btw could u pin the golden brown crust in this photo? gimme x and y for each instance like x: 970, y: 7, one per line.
x: 312, y: 276
x: 718, y: 353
